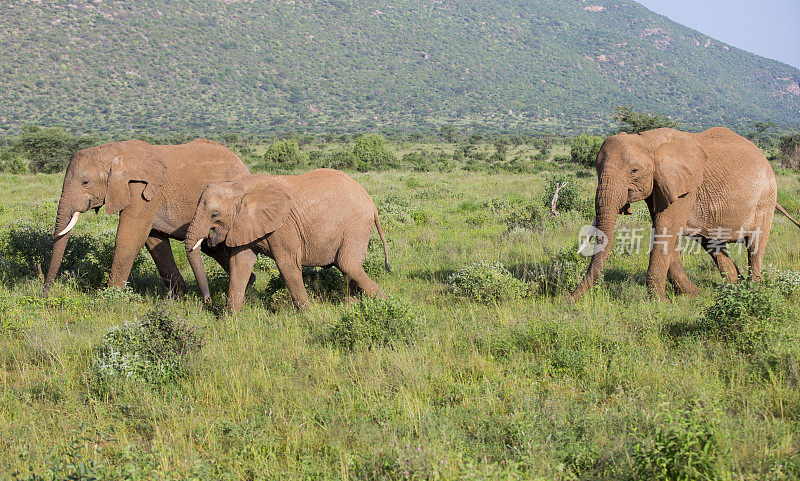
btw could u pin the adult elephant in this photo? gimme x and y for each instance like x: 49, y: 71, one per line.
x: 320, y: 218
x: 155, y: 190
x: 714, y: 185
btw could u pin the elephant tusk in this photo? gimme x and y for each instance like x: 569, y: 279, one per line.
x: 71, y: 224
x: 197, y: 245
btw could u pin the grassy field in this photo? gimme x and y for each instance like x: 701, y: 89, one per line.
x: 520, y: 386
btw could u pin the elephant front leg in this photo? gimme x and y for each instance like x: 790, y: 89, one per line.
x: 134, y: 228
x: 663, y: 247
x: 289, y: 266
x: 241, y: 264
x: 159, y: 248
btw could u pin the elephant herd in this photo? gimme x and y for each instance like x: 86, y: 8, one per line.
x: 714, y: 186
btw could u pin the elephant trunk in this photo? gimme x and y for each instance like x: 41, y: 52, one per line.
x: 609, y: 200
x: 192, y: 244
x: 66, y: 218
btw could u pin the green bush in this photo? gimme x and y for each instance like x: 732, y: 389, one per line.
x: 562, y: 273
x: 743, y: 314
x: 342, y: 160
x: 682, y: 446
x: 584, y: 149
x: 372, y: 153
x: 394, y: 209
x: 487, y: 282
x: 634, y: 122
x: 49, y: 150
x: 569, y: 197
x: 25, y: 247
x: 11, y: 163
x: 284, y: 154
x: 155, y: 349
x: 526, y: 216
x: 374, y: 322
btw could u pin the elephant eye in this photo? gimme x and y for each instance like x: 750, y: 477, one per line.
x: 85, y: 182
x: 634, y: 171
x: 214, y: 215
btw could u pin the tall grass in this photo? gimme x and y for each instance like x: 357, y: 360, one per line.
x: 529, y: 387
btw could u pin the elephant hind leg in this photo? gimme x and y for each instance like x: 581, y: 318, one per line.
x: 360, y: 281
x: 159, y: 247
x: 720, y: 255
x: 756, y: 246
x: 350, y: 261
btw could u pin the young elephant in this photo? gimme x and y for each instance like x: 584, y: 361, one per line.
x: 320, y: 218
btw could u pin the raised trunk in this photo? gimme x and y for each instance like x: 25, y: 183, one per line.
x: 610, y: 198
x: 64, y: 215
x: 195, y: 260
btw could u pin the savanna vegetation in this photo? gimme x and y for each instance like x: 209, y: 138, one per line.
x: 475, y: 367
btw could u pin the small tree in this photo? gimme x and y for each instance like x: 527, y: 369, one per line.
x: 448, y: 133
x: 11, y: 163
x: 584, y: 149
x: 48, y: 150
x: 634, y: 122
x: 371, y: 152
x: 757, y: 134
x: 789, y: 146
x: 285, y: 153
x: 501, y: 146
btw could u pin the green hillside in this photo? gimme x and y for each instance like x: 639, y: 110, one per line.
x: 258, y: 66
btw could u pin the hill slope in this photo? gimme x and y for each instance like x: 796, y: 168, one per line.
x: 266, y: 65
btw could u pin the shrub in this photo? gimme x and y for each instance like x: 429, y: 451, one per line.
x: 682, y: 446
x: 285, y: 154
x: 24, y: 245
x: 342, y: 160
x: 374, y: 322
x: 155, y: 350
x: 786, y: 282
x: 521, y: 216
x: 569, y: 197
x: 789, y: 146
x: 562, y: 273
x: 584, y: 149
x: 395, y: 210
x: 634, y: 122
x: 743, y: 314
x: 11, y: 163
x: 420, y: 217
x: 49, y: 150
x: 487, y: 282
x: 372, y: 153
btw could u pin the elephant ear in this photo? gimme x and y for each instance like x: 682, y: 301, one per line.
x: 263, y: 209
x: 678, y: 172
x: 133, y: 164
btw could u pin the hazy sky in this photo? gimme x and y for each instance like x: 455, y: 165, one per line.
x: 770, y: 28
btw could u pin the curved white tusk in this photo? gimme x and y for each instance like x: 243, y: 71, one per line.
x: 197, y: 245
x: 71, y: 224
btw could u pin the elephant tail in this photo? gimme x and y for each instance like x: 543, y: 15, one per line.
x: 783, y: 211
x: 383, y: 239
